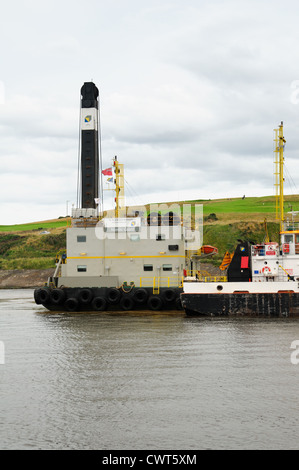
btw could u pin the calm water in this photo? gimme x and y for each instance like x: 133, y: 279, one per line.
x: 119, y: 381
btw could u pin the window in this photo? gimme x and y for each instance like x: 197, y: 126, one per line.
x: 81, y: 238
x: 173, y: 247
x: 167, y: 267
x: 147, y: 267
x: 160, y: 236
x: 288, y: 238
x: 135, y: 238
x: 81, y: 269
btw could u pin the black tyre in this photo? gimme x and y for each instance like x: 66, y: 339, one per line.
x: 169, y: 295
x: 178, y: 303
x: 85, y: 296
x: 99, y: 304
x: 71, y: 304
x: 140, y: 296
x: 155, y: 303
x: 113, y: 295
x: 37, y: 296
x: 127, y: 303
x: 57, y: 296
x: 44, y: 296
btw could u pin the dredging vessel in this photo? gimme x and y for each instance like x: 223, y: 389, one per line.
x: 130, y: 259
x: 262, y: 279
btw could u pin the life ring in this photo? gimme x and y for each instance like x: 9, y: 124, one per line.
x: 57, y: 296
x: 266, y: 271
x: 85, y: 296
x: 99, y: 304
x: 71, y: 304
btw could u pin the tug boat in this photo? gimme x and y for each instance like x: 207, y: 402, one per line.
x: 131, y: 259
x: 262, y: 279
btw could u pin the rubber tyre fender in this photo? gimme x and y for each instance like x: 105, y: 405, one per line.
x: 44, y: 296
x: 99, y: 304
x: 178, y: 303
x: 169, y: 295
x: 140, y: 296
x: 37, y: 296
x: 113, y: 295
x: 155, y: 303
x: 71, y: 304
x: 127, y: 303
x: 85, y: 296
x: 57, y: 296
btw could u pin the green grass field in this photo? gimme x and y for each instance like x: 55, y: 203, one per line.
x: 247, y: 205
x: 262, y: 205
x: 37, y: 226
x: 241, y: 208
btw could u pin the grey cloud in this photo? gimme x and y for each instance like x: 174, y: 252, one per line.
x: 189, y: 96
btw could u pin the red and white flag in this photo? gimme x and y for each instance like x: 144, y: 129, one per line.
x: 107, y: 172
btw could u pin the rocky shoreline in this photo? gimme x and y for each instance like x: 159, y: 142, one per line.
x: 24, y: 278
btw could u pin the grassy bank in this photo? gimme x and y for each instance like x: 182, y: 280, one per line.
x: 35, y: 226
x: 30, y: 250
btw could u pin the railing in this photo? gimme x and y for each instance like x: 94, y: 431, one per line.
x: 286, y: 248
x: 157, y: 282
x: 85, y: 222
x: 212, y: 278
x: 290, y: 226
x: 61, y: 258
x: 58, y: 267
x: 203, y: 276
x: 265, y: 250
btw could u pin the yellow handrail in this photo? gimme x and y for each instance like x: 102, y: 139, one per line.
x: 204, y: 276
x: 157, y: 282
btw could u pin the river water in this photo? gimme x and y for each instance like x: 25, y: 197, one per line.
x: 157, y: 381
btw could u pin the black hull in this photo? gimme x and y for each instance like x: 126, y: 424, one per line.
x: 97, y: 299
x: 242, y: 304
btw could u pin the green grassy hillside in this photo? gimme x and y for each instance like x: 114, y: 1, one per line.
x: 30, y: 249
x: 35, y: 226
x: 225, y: 221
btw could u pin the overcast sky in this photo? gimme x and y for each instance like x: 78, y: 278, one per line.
x: 190, y: 92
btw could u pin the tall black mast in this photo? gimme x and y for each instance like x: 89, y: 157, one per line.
x: 89, y: 146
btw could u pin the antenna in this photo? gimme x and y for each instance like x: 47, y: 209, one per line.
x: 119, y: 188
x: 278, y: 172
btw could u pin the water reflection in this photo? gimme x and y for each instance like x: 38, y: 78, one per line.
x: 130, y: 381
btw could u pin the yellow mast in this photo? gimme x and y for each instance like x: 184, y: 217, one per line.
x: 119, y: 188
x: 278, y: 172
